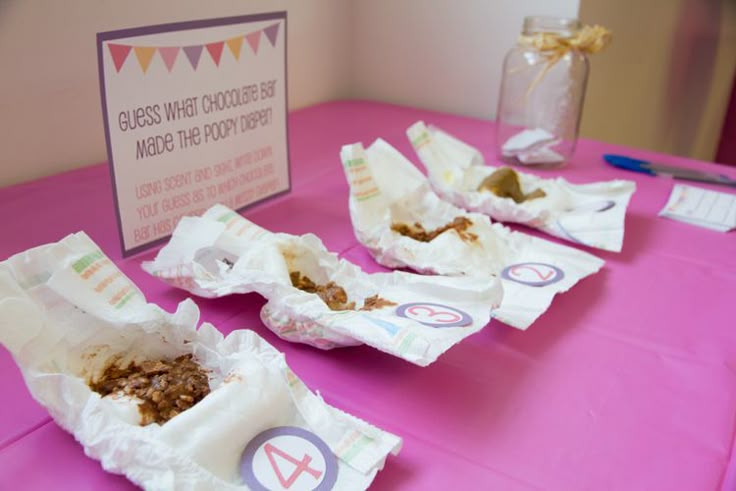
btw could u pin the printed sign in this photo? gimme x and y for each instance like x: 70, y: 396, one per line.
x: 288, y: 458
x: 434, y: 314
x: 533, y: 274
x: 195, y: 114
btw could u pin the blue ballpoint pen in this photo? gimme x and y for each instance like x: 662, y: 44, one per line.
x: 653, y: 169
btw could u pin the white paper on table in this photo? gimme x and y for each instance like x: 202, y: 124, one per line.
x: 703, y: 207
x: 588, y: 214
x: 66, y: 311
x: 386, y: 188
x: 430, y: 315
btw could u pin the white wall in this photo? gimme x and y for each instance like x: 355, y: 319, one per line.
x: 444, y: 54
x: 50, y: 116
x: 437, y: 54
x: 663, y: 84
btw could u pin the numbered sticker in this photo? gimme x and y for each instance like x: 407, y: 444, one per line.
x: 592, y: 207
x: 288, y: 458
x: 434, y: 314
x: 533, y: 274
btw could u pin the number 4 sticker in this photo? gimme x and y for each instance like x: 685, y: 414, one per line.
x: 288, y: 458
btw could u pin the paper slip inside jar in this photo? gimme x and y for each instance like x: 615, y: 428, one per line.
x: 532, y: 146
x: 411, y: 316
x: 588, y: 214
x: 66, y: 312
x: 386, y: 190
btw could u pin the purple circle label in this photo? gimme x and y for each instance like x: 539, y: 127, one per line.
x: 288, y: 458
x: 434, y: 314
x: 533, y: 274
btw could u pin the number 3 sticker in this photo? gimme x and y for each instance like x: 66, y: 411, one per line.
x: 533, y: 274
x: 434, y: 314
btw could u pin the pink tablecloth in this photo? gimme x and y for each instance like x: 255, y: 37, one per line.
x: 627, y: 382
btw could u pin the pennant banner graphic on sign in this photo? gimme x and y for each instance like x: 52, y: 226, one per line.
x: 145, y: 54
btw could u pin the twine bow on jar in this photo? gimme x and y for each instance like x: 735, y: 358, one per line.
x: 587, y: 40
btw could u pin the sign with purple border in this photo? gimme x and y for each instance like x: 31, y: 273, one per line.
x: 288, y: 458
x: 195, y: 114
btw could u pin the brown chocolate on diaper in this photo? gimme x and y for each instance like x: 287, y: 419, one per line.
x: 334, y: 295
x: 504, y: 182
x: 375, y: 302
x: 417, y: 232
x: 165, y: 387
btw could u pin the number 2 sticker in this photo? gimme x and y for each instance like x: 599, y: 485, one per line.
x: 533, y: 274
x: 434, y: 314
x: 288, y: 458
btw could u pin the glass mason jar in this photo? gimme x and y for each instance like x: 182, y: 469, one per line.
x: 541, y: 96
